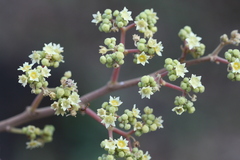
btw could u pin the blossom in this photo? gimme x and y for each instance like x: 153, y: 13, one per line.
x: 158, y: 121
x: 74, y: 98
x: 110, y: 144
x: 137, y: 126
x: 146, y: 156
x: 33, y: 75
x: 109, y: 120
x: 97, y: 18
x: 52, y: 48
x: 101, y: 112
x: 26, y: 67
x: 146, y: 92
x: 181, y: 70
x: 142, y: 58
x: 235, y: 66
x: 65, y: 103
x: 151, y: 14
x: 152, y: 42
x: 159, y: 48
x: 121, y: 143
x: 195, y: 81
x: 179, y: 110
x: 35, y: 57
x: 23, y: 80
x: 136, y: 112
x: 193, y: 41
x: 33, y: 144
x: 126, y: 15
x: 45, y: 72
x: 115, y: 101
x: 141, y: 25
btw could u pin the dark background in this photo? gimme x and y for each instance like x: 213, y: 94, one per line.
x: 211, y: 133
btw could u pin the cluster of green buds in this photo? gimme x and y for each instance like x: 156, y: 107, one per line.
x: 145, y: 22
x: 183, y: 105
x: 147, y: 49
x: 149, y: 122
x: 66, y: 97
x: 36, y: 77
x: 116, y: 58
x: 233, y: 57
x: 147, y: 86
x: 112, y: 20
x: 192, y: 42
x: 192, y: 84
x: 37, y: 136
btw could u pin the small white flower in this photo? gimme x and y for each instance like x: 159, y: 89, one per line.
x: 142, y: 58
x: 101, y: 112
x: 33, y: 75
x: 179, y: 110
x: 33, y: 144
x: 122, y: 143
x: 146, y: 92
x: 136, y: 112
x: 97, y: 18
x: 109, y: 120
x: 159, y: 48
x: 235, y: 66
x: 181, y: 70
x: 193, y: 41
x: 158, y: 121
x: 137, y: 125
x: 146, y: 156
x: 26, y: 67
x: 126, y: 15
x: 23, y: 80
x: 141, y: 25
x: 52, y: 48
x: 45, y: 71
x: 35, y: 57
x: 115, y: 101
x: 74, y: 98
x: 110, y: 144
x: 65, y: 104
x: 195, y: 81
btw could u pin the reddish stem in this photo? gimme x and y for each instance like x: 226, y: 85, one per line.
x: 115, y: 75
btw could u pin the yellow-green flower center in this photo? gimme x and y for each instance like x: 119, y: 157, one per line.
x: 236, y: 65
x: 142, y: 58
x: 34, y: 75
x: 114, y: 102
x: 121, y: 144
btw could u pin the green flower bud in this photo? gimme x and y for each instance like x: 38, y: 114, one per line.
x: 149, y: 122
x: 172, y: 77
x: 60, y: 92
x: 109, y: 59
x: 121, y: 62
x: 153, y: 127
x: 103, y: 59
x: 142, y: 40
x: 39, y: 85
x: 45, y: 62
x: 145, y: 79
x: 121, y: 125
x: 138, y: 133
x: 108, y: 11
x: 148, y: 110
x: 154, y: 29
x: 127, y: 126
x: 67, y: 92
x: 169, y: 67
x: 191, y: 110
x: 201, y: 89
x: 106, y: 27
x: 110, y: 157
x: 68, y: 74
x: 140, y: 46
x: 109, y: 65
x: 168, y: 61
x: 56, y: 57
x: 120, y: 24
x: 188, y: 29
x: 119, y: 55
x: 151, y: 51
x: 145, y: 129
x: 124, y: 117
x: 151, y: 117
x: 196, y: 90
x: 238, y: 77
x: 236, y: 53
x: 112, y: 110
x: 37, y: 91
x: 107, y: 41
x: 116, y: 13
x: 183, y: 85
x: 121, y: 154
x: 111, y: 45
x: 182, y: 100
x: 56, y: 64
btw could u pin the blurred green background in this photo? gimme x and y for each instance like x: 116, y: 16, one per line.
x: 211, y: 133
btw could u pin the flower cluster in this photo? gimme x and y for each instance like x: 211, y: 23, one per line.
x: 37, y: 136
x: 36, y: 77
x: 66, y: 98
x: 192, y: 42
x: 145, y: 22
x: 108, y: 111
x: 192, y: 84
x: 233, y: 57
x: 183, y: 105
x: 147, y: 86
x: 116, y: 58
x: 147, y: 49
x: 175, y: 69
x: 112, y: 20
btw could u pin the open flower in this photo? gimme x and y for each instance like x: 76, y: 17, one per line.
x: 115, y: 101
x: 109, y: 120
x: 26, y: 67
x: 146, y: 156
x: 179, y: 110
x: 235, y: 66
x: 141, y: 25
x: 110, y: 144
x: 33, y: 144
x: 23, y: 80
x: 136, y: 112
x: 126, y: 15
x: 195, y: 81
x: 142, y: 58
x: 122, y: 143
x: 45, y: 71
x: 193, y: 41
x: 52, y: 48
x: 97, y: 18
x: 146, y: 92
x: 181, y: 70
x: 33, y: 75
